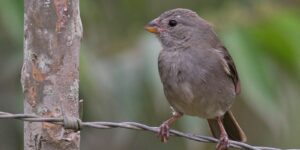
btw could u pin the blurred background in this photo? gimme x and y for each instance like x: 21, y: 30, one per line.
x: 119, y: 78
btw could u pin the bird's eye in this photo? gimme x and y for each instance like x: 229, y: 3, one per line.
x: 172, y: 23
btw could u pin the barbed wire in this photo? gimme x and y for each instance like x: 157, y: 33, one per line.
x: 77, y: 124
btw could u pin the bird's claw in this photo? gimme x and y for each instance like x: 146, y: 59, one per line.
x: 223, y: 143
x: 164, y: 132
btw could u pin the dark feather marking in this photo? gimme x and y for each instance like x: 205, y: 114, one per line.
x: 232, y: 69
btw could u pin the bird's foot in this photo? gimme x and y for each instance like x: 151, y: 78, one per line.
x: 223, y: 143
x: 164, y: 132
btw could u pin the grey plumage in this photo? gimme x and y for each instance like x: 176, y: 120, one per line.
x: 190, y: 66
x: 198, y: 74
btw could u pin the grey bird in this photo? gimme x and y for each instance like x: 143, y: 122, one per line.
x: 198, y: 75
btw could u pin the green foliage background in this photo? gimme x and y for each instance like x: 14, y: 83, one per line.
x: 119, y: 78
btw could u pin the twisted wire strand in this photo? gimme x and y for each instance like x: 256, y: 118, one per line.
x: 77, y: 124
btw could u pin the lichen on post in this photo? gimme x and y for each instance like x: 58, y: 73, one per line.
x: 50, y: 73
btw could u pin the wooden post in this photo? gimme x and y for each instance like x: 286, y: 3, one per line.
x: 50, y: 73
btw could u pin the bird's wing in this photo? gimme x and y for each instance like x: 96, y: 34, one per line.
x: 229, y: 67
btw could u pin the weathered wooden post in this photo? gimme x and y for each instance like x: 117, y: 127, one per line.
x: 50, y: 73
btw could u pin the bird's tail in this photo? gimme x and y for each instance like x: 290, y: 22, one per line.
x: 231, y: 126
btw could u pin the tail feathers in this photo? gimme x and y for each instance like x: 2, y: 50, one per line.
x: 231, y: 126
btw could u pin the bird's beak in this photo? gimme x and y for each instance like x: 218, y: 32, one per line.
x: 152, y: 26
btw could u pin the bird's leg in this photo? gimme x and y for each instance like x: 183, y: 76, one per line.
x: 164, y: 129
x: 223, y: 143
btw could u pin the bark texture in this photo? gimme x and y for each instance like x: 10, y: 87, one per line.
x: 50, y: 73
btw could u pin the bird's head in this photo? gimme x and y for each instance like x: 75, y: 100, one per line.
x: 177, y: 26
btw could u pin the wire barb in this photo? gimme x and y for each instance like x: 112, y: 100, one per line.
x: 76, y: 124
x: 72, y: 123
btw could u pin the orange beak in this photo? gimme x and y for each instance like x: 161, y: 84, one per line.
x: 152, y: 26
x: 151, y: 29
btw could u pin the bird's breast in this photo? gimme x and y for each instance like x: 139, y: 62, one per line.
x: 176, y: 72
x: 191, y: 87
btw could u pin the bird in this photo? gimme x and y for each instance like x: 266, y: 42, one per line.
x: 198, y: 74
